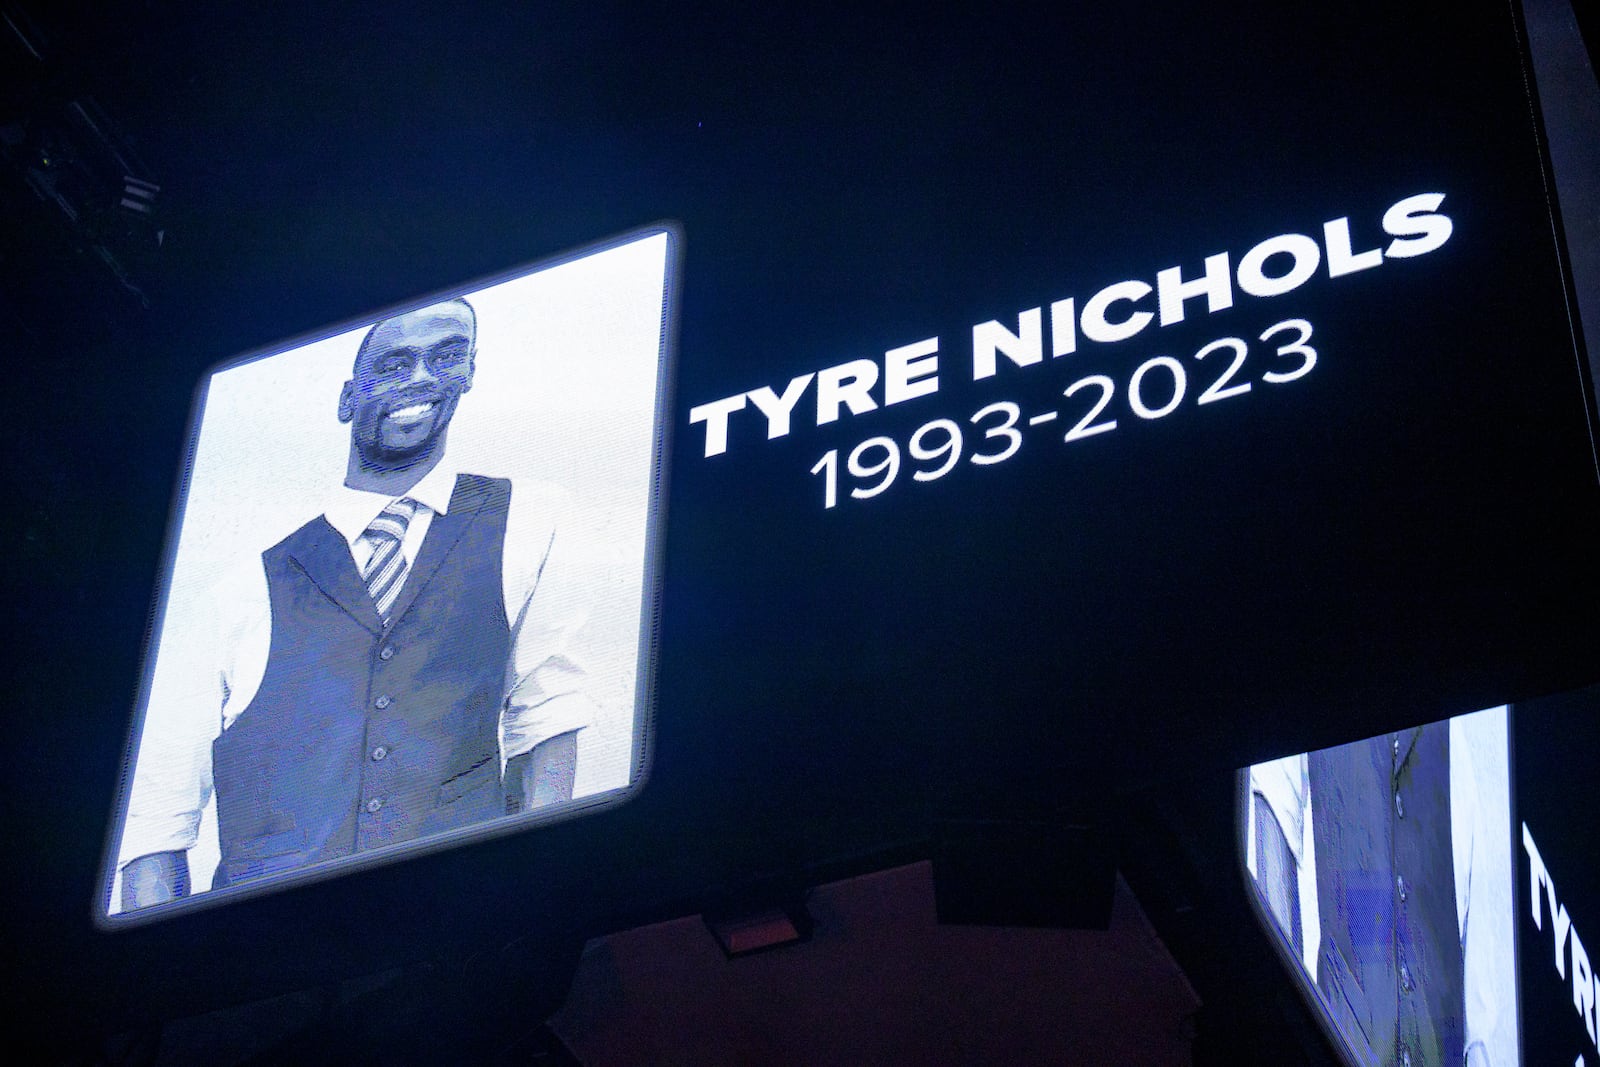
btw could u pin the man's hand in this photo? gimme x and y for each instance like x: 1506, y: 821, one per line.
x: 154, y: 879
x: 543, y: 776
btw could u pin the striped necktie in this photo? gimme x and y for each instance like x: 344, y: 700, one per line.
x: 386, y: 569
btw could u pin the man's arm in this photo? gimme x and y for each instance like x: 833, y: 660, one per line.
x: 548, y: 590
x: 154, y: 879
x: 211, y: 658
x: 543, y: 776
x: 1480, y: 797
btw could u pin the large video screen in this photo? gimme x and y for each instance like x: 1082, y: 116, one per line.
x: 411, y: 594
x: 1417, y: 881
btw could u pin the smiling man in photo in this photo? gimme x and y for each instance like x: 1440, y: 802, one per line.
x: 395, y: 668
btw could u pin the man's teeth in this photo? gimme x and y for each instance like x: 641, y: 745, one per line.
x: 411, y: 413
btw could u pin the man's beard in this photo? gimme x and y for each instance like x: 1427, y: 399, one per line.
x: 384, y: 456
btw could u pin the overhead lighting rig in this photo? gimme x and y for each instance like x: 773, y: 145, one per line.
x: 59, y: 144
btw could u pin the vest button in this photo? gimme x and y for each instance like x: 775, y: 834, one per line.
x: 1400, y: 887
x: 374, y: 805
x: 379, y: 752
x: 381, y: 703
x: 386, y: 653
x: 1399, y: 805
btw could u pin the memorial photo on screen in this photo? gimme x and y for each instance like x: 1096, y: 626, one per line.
x: 1385, y: 868
x: 410, y: 596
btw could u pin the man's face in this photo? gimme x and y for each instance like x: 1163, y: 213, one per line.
x: 407, y: 381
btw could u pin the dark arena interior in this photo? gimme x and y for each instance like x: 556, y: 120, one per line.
x: 1008, y: 449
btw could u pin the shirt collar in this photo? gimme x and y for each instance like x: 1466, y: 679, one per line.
x: 351, y: 511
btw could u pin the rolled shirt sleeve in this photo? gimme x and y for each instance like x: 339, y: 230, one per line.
x: 209, y: 651
x: 546, y: 605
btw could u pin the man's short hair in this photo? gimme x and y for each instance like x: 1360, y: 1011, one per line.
x: 471, y: 315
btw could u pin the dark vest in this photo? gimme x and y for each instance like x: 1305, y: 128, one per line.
x: 1390, y: 966
x: 364, y: 735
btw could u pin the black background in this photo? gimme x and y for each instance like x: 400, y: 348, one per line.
x: 1404, y: 534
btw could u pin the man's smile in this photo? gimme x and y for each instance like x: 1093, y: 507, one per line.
x: 412, y: 413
